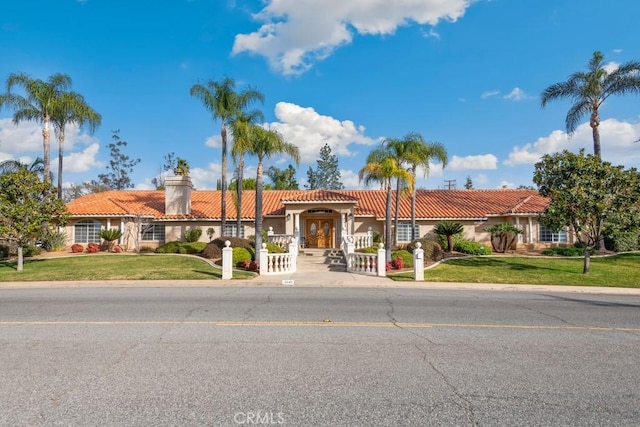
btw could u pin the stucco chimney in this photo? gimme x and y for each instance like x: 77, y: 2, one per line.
x: 177, y: 198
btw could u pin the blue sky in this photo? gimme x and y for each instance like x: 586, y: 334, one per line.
x: 465, y: 73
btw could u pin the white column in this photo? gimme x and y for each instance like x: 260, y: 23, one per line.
x: 296, y: 226
x: 382, y: 263
x: 518, y: 227
x: 530, y: 230
x: 227, y: 261
x: 418, y: 262
x: 264, y: 260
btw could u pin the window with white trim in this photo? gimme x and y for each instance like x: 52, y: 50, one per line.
x: 403, y: 233
x: 231, y: 230
x: 152, y: 232
x: 546, y: 235
x: 87, y: 231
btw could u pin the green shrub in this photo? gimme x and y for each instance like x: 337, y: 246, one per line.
x: 30, y: 250
x: 472, y: 248
x: 407, y: 257
x: 54, y: 241
x: 623, y: 241
x: 4, y: 251
x: 146, y: 249
x: 565, y: 251
x: 177, y: 247
x: 274, y: 249
x: 442, y: 240
x: 370, y: 250
x: 432, y: 249
x: 241, y: 255
x: 192, y: 235
x: 110, y: 234
x: 213, y: 249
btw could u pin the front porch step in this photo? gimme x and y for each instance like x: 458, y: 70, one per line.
x: 321, y: 259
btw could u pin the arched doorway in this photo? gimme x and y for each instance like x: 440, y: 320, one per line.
x: 319, y: 228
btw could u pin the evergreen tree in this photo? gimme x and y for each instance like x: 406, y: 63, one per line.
x: 283, y: 179
x: 327, y: 174
x: 468, y: 184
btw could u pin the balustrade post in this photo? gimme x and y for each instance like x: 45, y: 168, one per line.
x: 382, y: 263
x: 227, y: 261
x: 418, y: 262
x: 264, y: 260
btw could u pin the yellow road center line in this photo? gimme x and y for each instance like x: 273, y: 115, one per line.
x: 314, y: 324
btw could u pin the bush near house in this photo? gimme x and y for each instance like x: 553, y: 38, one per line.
x: 405, y: 257
x: 213, y: 249
x: 192, y: 235
x: 77, y: 248
x: 4, y: 251
x: 54, y: 241
x: 623, y: 241
x: 241, y: 256
x: 472, y: 248
x: 565, y: 251
x: 177, y: 247
x: 432, y: 249
x: 93, y: 248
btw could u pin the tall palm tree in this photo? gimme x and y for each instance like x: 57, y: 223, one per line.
x: 224, y: 103
x: 588, y: 91
x: 383, y: 168
x: 241, y: 128
x: 71, y: 108
x: 419, y: 153
x: 266, y: 143
x: 37, y: 105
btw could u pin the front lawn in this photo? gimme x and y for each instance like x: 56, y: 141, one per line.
x: 114, y: 267
x: 617, y: 271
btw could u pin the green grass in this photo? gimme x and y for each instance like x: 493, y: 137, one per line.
x: 616, y: 271
x: 114, y: 267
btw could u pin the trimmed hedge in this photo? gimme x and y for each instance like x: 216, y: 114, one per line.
x: 240, y: 256
x: 565, y: 251
x: 213, y: 249
x: 432, y: 250
x: 181, y: 248
x: 472, y: 248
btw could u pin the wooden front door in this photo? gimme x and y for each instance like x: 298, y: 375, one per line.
x: 319, y: 233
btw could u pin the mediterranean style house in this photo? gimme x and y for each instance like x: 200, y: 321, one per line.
x: 319, y: 218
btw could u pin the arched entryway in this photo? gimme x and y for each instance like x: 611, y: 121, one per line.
x: 320, y: 228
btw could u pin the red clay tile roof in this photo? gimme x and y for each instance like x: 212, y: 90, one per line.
x: 430, y: 204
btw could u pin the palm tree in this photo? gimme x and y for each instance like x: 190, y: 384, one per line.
x: 241, y: 128
x: 266, y: 143
x: 420, y: 153
x: 448, y: 229
x: 12, y: 165
x: 224, y: 103
x: 383, y: 168
x: 71, y: 108
x: 182, y: 167
x: 413, y: 151
x: 588, y: 91
x: 38, y: 104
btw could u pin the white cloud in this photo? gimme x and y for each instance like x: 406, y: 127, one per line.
x: 516, y: 94
x: 215, y: 141
x: 81, y: 161
x: 489, y: 94
x: 611, y: 67
x: 296, y: 33
x: 310, y: 131
x: 26, y: 137
x: 204, y: 179
x: 617, y: 50
x: 350, y: 179
x: 479, y: 162
x: 616, y: 139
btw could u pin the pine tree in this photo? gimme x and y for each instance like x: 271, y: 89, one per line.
x: 327, y: 174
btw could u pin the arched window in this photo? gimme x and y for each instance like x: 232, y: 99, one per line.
x: 86, y: 231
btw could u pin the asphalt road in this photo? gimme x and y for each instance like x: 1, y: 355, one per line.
x: 310, y: 356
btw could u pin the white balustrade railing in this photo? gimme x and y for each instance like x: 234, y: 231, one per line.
x: 282, y: 240
x: 360, y: 240
x: 279, y: 263
x: 362, y: 263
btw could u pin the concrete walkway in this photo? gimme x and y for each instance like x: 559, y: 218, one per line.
x: 315, y: 278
